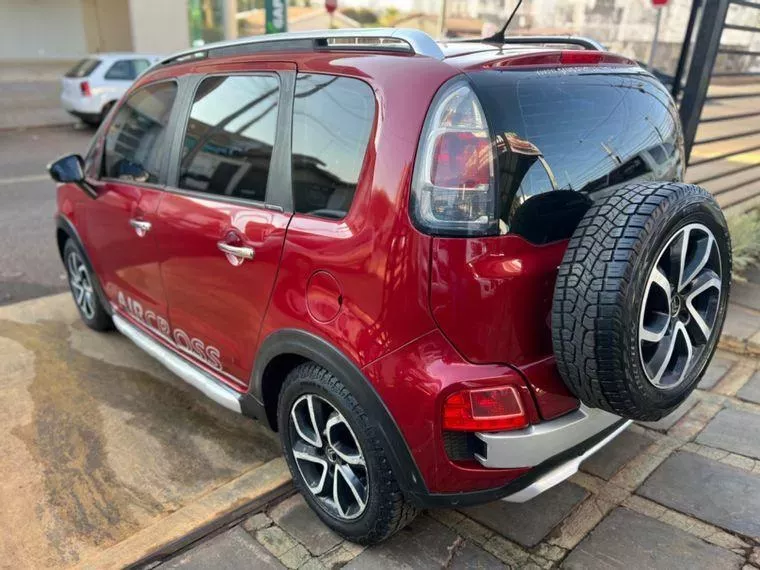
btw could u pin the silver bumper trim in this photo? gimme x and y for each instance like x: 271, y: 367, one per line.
x: 211, y: 387
x: 534, y: 445
x: 561, y: 472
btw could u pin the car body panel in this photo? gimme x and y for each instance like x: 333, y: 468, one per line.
x: 419, y: 316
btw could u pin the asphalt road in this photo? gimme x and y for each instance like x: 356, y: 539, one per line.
x: 29, y: 263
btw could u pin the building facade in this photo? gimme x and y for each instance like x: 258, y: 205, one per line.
x: 70, y: 29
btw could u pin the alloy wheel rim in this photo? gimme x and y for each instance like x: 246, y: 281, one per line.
x: 81, y: 285
x: 680, y: 308
x: 329, y: 457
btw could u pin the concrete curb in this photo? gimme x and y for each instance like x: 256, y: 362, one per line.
x: 741, y: 347
x: 248, y: 493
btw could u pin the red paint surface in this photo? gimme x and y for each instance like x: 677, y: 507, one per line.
x: 324, y: 297
x: 491, y: 296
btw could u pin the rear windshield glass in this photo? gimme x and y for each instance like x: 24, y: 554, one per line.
x: 83, y: 68
x: 578, y: 129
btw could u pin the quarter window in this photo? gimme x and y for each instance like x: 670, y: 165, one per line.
x: 137, y: 136
x: 122, y: 70
x: 332, y: 122
x: 230, y: 136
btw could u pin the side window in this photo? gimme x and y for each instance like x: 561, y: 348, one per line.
x: 122, y: 70
x: 332, y: 122
x: 140, y: 65
x: 137, y: 136
x: 230, y: 136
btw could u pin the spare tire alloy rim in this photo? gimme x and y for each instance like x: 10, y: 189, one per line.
x: 680, y: 306
x: 329, y: 457
x: 81, y: 285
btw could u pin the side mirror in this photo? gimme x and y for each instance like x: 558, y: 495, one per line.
x: 70, y: 169
x: 67, y: 169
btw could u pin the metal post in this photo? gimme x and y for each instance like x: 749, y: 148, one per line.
x: 442, y: 20
x: 229, y: 17
x: 656, y: 38
x: 706, y: 49
x: 675, y: 89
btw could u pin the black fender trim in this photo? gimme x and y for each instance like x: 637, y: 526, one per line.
x: 62, y: 223
x: 316, y: 349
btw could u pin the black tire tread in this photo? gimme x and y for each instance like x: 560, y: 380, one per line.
x: 588, y: 311
x: 101, y: 322
x: 395, y: 512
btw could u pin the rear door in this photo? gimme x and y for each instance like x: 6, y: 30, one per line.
x: 120, y: 223
x: 223, y: 221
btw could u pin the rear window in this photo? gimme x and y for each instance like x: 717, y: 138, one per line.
x: 579, y: 129
x: 83, y: 68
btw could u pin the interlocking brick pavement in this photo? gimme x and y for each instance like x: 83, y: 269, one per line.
x: 683, y: 492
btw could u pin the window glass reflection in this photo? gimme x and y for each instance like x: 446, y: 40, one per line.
x: 332, y: 121
x: 137, y: 135
x: 230, y: 136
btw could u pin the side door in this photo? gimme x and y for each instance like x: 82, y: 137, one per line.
x: 223, y: 221
x: 120, y: 222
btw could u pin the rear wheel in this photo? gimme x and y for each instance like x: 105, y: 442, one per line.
x: 641, y: 298
x: 82, y: 284
x: 336, y: 458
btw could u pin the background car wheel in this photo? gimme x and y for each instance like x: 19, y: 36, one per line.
x: 641, y: 298
x: 337, y: 459
x: 82, y: 285
x: 104, y: 113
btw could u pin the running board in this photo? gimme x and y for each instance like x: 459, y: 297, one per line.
x: 190, y: 373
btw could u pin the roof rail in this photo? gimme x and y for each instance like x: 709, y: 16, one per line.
x: 386, y: 39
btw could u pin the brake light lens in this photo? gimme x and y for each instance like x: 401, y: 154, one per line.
x: 84, y: 88
x: 564, y: 58
x: 453, y: 187
x: 487, y: 409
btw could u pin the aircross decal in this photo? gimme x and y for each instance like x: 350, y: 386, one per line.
x: 179, y: 338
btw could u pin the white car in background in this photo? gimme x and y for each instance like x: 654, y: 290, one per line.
x: 94, y: 84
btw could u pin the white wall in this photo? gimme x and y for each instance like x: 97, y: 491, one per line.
x: 159, y: 26
x: 50, y: 29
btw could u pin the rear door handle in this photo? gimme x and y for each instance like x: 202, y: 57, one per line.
x: 236, y: 255
x: 141, y: 227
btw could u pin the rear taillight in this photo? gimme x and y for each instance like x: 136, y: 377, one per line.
x: 453, y: 188
x: 485, y: 409
x: 84, y: 87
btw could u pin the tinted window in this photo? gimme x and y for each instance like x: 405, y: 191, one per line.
x: 230, y: 136
x: 122, y: 70
x: 137, y: 136
x: 332, y: 121
x: 582, y: 130
x: 83, y: 68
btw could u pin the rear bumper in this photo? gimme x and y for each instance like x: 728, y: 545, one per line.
x: 534, y: 445
x: 82, y: 106
x: 541, y: 478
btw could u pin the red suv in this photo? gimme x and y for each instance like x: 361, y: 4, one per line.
x: 444, y: 273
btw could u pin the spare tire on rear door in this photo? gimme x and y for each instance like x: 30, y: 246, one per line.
x: 641, y: 297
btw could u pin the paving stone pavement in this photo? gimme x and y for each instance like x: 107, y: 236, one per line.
x: 683, y: 492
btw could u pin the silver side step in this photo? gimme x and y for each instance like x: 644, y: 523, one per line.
x: 191, y: 374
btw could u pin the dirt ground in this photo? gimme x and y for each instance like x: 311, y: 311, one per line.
x: 97, y: 441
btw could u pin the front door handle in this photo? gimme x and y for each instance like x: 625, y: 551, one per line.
x: 236, y: 255
x: 141, y: 227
